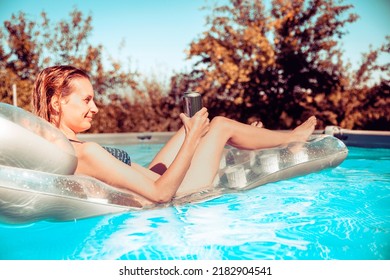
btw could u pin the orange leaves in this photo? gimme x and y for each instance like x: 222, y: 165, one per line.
x: 275, y: 66
x: 239, y: 100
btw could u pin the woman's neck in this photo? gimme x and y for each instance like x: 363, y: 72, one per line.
x: 70, y: 134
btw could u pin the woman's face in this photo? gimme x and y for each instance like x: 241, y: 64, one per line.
x: 78, y: 108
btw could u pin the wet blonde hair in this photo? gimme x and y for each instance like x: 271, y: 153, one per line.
x: 50, y: 82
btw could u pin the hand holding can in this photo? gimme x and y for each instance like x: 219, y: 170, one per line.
x: 192, y: 103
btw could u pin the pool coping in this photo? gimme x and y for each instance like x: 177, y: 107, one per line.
x: 360, y: 138
x: 356, y: 138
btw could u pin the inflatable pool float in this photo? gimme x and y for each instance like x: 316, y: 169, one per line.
x: 37, y: 163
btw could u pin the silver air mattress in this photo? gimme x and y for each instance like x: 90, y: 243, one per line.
x: 37, y: 164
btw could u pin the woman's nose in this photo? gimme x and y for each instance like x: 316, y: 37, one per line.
x: 93, y: 108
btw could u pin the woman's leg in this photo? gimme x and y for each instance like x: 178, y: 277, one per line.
x: 205, y: 163
x: 252, y: 137
x: 226, y: 131
x: 167, y: 154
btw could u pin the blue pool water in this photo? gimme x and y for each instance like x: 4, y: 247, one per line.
x: 340, y: 213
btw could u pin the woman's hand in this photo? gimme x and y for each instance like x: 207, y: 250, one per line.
x: 198, y: 125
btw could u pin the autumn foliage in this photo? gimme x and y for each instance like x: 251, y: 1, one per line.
x: 279, y: 65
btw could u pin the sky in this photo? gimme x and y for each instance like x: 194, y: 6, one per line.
x: 156, y: 33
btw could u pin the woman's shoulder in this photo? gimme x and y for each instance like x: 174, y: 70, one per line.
x: 88, y: 149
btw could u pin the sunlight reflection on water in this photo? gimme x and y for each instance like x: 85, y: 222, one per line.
x: 339, y: 213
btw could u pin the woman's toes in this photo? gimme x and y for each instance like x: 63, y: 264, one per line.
x: 257, y: 124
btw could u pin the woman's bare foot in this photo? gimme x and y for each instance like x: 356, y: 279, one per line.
x: 257, y: 124
x: 302, y: 132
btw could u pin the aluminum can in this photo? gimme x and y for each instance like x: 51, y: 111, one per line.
x: 192, y: 103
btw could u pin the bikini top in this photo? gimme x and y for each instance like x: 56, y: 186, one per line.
x: 118, y: 153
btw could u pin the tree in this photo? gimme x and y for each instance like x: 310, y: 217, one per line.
x: 19, y: 59
x: 123, y: 106
x: 235, y: 47
x: 308, y: 55
x: 29, y: 46
x: 366, y: 105
x: 280, y: 66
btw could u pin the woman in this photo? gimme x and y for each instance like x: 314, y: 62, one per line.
x: 63, y: 95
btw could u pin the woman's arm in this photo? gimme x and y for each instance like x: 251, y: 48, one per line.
x: 97, y: 162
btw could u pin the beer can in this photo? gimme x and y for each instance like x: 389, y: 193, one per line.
x: 192, y: 103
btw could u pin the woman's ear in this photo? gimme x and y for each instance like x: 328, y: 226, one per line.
x: 55, y: 103
x: 54, y: 111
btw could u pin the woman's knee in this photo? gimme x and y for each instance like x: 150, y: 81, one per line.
x: 218, y: 121
x: 220, y: 124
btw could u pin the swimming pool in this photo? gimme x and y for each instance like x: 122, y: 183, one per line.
x: 340, y: 213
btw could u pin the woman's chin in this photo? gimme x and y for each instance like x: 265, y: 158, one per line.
x: 83, y: 128
x: 87, y: 127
